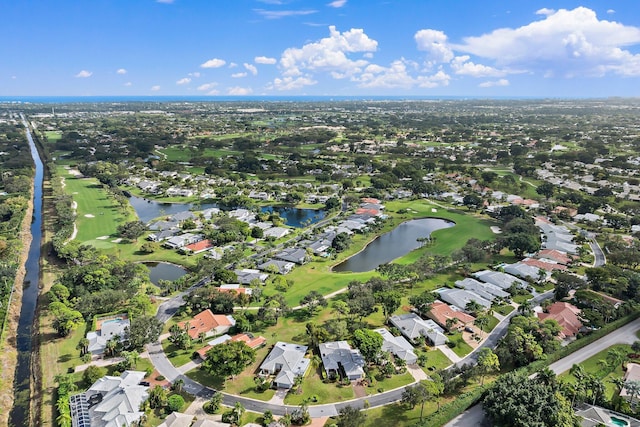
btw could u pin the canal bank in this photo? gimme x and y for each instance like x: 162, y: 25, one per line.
x: 23, y: 338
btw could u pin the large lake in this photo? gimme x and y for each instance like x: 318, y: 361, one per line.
x: 150, y: 209
x: 164, y: 271
x: 394, y: 244
x: 296, y: 217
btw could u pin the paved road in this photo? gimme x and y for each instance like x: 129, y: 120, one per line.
x: 598, y: 254
x: 499, y: 331
x: 624, y: 335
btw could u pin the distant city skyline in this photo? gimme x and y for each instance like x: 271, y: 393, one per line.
x: 321, y: 48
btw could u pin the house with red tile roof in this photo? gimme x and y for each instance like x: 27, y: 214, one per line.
x: 200, y: 246
x: 567, y: 317
x: 441, y: 312
x: 208, y: 323
x: 248, y: 339
x: 555, y: 255
x: 544, y: 264
x: 234, y: 287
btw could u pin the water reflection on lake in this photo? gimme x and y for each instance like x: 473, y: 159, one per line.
x: 164, y: 271
x: 394, y: 244
x: 297, y: 217
x: 150, y: 209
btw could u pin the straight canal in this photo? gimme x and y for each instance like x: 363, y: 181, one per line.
x: 20, y: 415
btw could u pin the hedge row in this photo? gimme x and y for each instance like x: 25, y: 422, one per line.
x: 454, y: 408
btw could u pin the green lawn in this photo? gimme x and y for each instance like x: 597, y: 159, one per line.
x: 504, y: 309
x: 594, y: 366
x: 385, y: 384
x: 314, y: 387
x: 177, y: 356
x: 461, y: 348
x: 53, y: 136
x: 98, y: 214
x: 436, y: 360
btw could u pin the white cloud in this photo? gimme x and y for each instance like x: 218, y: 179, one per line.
x: 195, y: 74
x: 434, y: 42
x: 291, y: 83
x: 207, y: 86
x: 239, y: 91
x: 84, y: 74
x: 128, y: 84
x: 238, y: 75
x: 213, y: 63
x: 462, y: 66
x: 566, y: 43
x: 184, y: 81
x: 545, y: 11
x: 155, y: 88
x: 329, y: 53
x: 121, y: 71
x: 337, y: 3
x: 232, y: 65
x: 264, y: 60
x: 251, y: 68
x: 397, y: 76
x: 277, y: 14
x: 611, y: 11
x: 435, y: 80
x: 501, y: 82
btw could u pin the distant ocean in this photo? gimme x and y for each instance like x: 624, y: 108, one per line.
x: 177, y: 98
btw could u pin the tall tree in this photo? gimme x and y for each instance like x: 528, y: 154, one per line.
x: 228, y: 359
x: 369, y: 343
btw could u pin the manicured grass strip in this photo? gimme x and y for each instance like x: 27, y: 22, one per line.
x: 98, y: 214
x: 461, y: 348
x: 313, y: 386
x: 177, y: 356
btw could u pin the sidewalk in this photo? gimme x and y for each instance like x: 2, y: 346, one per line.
x: 449, y: 353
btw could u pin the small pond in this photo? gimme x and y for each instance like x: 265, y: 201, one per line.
x: 164, y: 271
x: 394, y: 244
x: 147, y: 209
x: 297, y: 217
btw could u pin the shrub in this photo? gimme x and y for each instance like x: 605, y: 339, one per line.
x: 175, y: 402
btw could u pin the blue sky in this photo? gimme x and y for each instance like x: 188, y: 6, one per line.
x: 330, y: 47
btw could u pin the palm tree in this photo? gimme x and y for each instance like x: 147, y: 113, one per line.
x: 615, y: 356
x: 525, y: 308
x: 482, y: 322
x: 83, y: 346
x: 111, y: 346
x: 178, y: 385
x: 546, y: 376
x: 633, y: 389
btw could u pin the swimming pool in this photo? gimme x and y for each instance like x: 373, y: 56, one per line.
x: 618, y: 422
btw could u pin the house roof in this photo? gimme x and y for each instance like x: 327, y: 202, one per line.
x: 632, y: 374
x: 545, y: 264
x: 399, y: 346
x: 567, y: 317
x: 118, y: 404
x: 200, y: 246
x: 288, y: 359
x: 413, y: 326
x: 441, y: 312
x: 234, y: 287
x: 485, y: 290
x: 177, y: 419
x: 336, y: 354
x: 498, y: 278
x: 461, y: 297
x: 555, y: 255
x: 206, y: 321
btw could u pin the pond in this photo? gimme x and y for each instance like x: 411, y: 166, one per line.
x: 147, y: 209
x: 392, y: 245
x: 297, y: 217
x: 164, y: 271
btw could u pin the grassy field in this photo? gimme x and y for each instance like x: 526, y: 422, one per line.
x: 318, y: 391
x: 98, y: 215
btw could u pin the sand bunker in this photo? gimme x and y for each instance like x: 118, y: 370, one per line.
x: 496, y: 230
x: 89, y: 216
x: 118, y: 240
x: 102, y: 238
